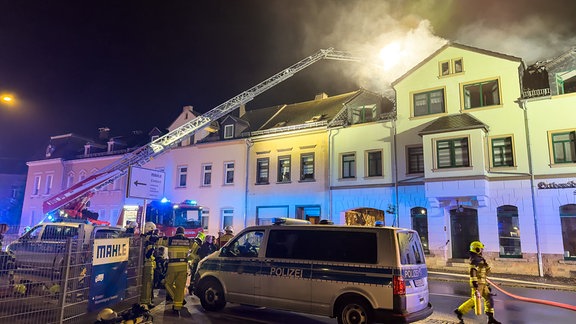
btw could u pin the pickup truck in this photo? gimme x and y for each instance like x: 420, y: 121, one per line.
x: 44, y: 245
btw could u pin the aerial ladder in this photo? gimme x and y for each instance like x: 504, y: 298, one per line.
x: 71, y: 202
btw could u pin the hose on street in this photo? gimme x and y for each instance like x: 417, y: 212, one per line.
x: 533, y: 300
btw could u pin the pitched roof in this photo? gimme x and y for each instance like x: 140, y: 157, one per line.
x: 452, y: 123
x: 308, y: 112
x: 460, y: 46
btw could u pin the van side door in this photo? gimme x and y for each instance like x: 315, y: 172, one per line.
x: 285, y: 277
x: 239, y: 266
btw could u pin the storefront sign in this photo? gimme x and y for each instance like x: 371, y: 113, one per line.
x: 554, y: 185
x: 109, y: 272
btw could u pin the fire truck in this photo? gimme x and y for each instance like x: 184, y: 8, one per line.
x: 72, y: 201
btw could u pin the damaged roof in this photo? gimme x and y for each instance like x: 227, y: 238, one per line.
x: 452, y: 123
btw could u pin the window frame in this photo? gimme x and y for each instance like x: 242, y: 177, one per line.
x: 227, y: 217
x: 182, y: 176
x: 567, y: 145
x: 36, y: 185
x: 206, y: 174
x: 509, y: 213
x: 229, y: 172
x: 305, y: 165
x: 428, y: 92
x: 228, y: 131
x: 48, y: 185
x: 500, y: 154
x: 369, y: 165
x: 284, y: 177
x: 480, y: 83
x: 348, y: 168
x: 419, y: 159
x: 452, y: 152
x: 263, y: 171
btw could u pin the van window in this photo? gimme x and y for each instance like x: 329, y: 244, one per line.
x: 33, y: 233
x: 335, y: 246
x: 410, y: 248
x: 55, y: 232
x: 246, y: 245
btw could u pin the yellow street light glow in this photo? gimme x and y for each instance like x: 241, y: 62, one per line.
x: 7, y: 98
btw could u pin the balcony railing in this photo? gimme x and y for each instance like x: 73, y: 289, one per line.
x: 536, y: 93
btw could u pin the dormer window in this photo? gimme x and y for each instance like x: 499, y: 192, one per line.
x: 229, y: 131
x: 449, y: 67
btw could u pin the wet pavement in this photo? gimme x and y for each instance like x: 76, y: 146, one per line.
x: 193, y: 312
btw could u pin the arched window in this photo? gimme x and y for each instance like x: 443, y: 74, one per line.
x: 509, y: 232
x: 568, y: 221
x: 420, y: 224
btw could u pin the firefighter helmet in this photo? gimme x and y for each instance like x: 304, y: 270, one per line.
x: 149, y: 226
x: 476, y: 246
x: 131, y: 224
x: 229, y: 229
x: 106, y: 314
x: 180, y: 230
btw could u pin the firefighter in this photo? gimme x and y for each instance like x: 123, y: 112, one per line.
x: 479, y: 270
x: 151, y: 239
x: 194, y: 258
x: 179, y: 247
x: 228, y: 235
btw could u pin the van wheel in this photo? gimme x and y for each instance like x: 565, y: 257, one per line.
x: 211, y: 295
x: 354, y: 311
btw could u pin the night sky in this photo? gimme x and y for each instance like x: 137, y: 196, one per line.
x: 75, y: 66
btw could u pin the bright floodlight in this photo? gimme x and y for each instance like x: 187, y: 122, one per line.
x: 7, y: 98
x: 390, y: 55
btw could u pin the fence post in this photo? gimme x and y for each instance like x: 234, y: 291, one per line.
x: 64, y: 286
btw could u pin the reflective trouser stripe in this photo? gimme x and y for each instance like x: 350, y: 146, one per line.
x: 488, y: 301
x: 147, y: 281
x: 176, y: 282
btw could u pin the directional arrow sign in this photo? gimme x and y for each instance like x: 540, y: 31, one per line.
x: 145, y: 183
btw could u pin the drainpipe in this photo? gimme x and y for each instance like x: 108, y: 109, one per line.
x: 397, y: 200
x: 248, y: 145
x: 330, y: 152
x: 533, y: 194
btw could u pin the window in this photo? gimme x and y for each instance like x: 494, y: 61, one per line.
x: 564, y: 147
x: 568, y: 221
x: 502, y: 152
x: 49, y: 179
x: 509, y: 232
x: 182, y: 175
x: 330, y: 246
x: 227, y: 217
x: 70, y: 180
x: 284, y: 168
x: 481, y: 94
x: 246, y: 245
x: 206, y: 174
x: 56, y: 232
x: 420, y: 225
x: 262, y: 170
x: 374, y: 159
x: 228, y: 131
x: 228, y: 172
x: 428, y: 103
x: 453, y: 66
x: 452, y: 153
x: 36, y: 188
x: 307, y: 167
x: 566, y: 82
x: 410, y: 248
x: 415, y: 159
x: 205, y: 218
x: 348, y: 165
x: 365, y: 113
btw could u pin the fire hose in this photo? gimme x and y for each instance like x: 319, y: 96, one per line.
x: 533, y: 300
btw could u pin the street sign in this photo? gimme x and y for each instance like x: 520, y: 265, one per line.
x: 145, y: 183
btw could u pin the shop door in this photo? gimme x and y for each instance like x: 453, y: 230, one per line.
x: 464, y: 228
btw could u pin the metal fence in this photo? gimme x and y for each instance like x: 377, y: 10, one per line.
x: 59, y: 291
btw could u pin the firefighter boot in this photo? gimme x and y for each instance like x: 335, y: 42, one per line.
x: 491, y: 319
x: 459, y: 315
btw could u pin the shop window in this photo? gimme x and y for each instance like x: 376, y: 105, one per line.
x: 568, y: 222
x: 420, y: 224
x: 509, y: 232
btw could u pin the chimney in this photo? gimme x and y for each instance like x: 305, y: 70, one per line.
x: 242, y: 110
x: 104, y: 133
x: 321, y: 96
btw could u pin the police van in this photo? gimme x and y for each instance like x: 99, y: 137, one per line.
x: 357, y: 274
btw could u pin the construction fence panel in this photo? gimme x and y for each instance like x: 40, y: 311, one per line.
x: 52, y: 284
